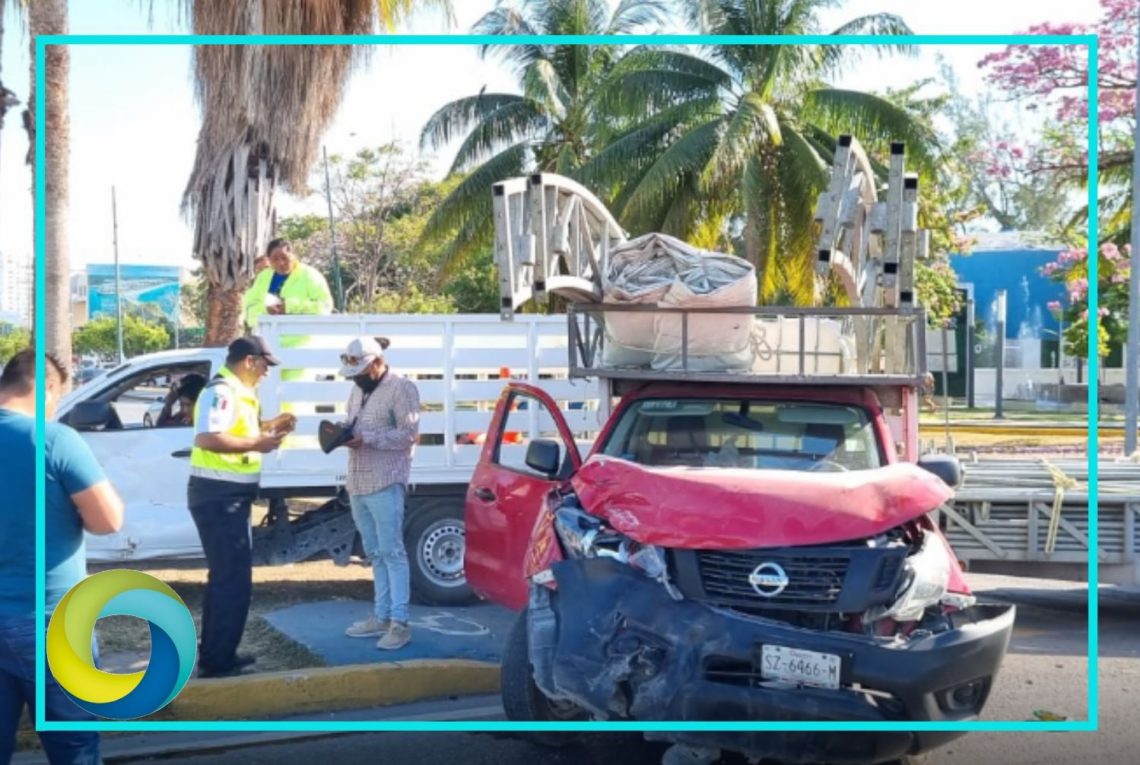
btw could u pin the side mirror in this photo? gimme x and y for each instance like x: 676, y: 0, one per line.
x: 945, y: 466
x: 542, y: 455
x: 91, y: 415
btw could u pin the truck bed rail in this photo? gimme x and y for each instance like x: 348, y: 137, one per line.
x: 882, y: 347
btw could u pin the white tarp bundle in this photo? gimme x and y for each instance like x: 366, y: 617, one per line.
x: 656, y: 269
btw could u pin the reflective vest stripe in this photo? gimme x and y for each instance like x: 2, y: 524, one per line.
x: 224, y: 475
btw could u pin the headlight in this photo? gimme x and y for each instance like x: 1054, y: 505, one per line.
x: 584, y: 536
x: 577, y: 531
x: 928, y: 574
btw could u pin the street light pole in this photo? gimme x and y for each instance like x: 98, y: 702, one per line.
x: 118, y: 283
x: 1132, y: 358
x: 998, y: 413
x: 332, y: 237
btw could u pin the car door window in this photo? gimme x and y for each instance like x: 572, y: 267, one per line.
x: 138, y: 401
x: 525, y: 415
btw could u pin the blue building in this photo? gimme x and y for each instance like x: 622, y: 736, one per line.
x: 1010, y: 261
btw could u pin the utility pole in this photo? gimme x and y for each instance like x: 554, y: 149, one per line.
x: 118, y: 282
x: 1000, y: 348
x: 970, y: 340
x: 1132, y: 357
x: 332, y: 237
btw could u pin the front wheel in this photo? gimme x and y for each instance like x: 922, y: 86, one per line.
x: 435, y: 538
x: 522, y: 699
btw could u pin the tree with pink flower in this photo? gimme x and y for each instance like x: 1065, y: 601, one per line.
x: 1071, y: 268
x: 1055, y: 78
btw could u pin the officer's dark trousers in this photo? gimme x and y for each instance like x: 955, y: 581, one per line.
x: 221, y: 513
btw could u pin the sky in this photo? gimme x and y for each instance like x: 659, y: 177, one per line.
x: 134, y: 120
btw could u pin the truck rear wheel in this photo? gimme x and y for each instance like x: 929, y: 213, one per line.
x: 435, y: 538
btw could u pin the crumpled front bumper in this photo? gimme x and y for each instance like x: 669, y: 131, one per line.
x: 612, y: 641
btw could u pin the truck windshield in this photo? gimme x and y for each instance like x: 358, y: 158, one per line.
x: 744, y: 433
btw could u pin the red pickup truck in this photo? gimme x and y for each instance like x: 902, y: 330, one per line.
x: 731, y: 551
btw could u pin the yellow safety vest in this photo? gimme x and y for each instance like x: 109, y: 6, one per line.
x: 244, y: 467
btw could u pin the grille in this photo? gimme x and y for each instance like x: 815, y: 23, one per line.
x: 814, y: 581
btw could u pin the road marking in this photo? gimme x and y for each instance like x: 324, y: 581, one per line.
x: 433, y: 623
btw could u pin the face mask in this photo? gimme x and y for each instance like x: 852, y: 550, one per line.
x: 365, y: 382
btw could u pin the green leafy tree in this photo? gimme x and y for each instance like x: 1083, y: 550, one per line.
x: 382, y: 200
x: 410, y: 300
x: 101, y: 337
x: 1071, y: 268
x: 300, y: 230
x: 13, y: 339
x: 475, y: 289
x: 555, y: 124
x: 735, y: 142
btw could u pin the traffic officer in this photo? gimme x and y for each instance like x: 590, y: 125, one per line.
x: 225, y: 467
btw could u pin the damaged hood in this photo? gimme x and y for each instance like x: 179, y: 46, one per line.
x: 727, y: 508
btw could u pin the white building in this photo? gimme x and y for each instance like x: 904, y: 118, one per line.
x: 17, y: 286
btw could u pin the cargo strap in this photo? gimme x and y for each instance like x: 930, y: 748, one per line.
x: 1061, y: 482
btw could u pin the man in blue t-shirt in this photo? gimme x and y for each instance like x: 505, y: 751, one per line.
x: 78, y: 498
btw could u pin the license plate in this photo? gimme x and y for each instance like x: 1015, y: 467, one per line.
x: 795, y: 665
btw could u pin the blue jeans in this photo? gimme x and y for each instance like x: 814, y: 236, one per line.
x: 379, y: 518
x: 18, y: 689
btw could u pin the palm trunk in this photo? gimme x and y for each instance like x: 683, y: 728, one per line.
x: 234, y: 204
x: 7, y: 97
x: 223, y: 315
x: 49, y: 17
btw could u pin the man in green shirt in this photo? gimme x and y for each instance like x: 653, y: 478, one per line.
x: 288, y: 287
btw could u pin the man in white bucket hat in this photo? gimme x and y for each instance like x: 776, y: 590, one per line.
x: 384, y: 409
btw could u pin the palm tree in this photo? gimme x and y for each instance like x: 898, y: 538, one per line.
x: 554, y: 124
x: 264, y: 110
x: 743, y: 134
x: 49, y: 17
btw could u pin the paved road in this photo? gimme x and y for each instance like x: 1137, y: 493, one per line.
x: 1046, y: 669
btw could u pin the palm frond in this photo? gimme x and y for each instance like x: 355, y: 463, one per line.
x: 506, y: 20
x: 645, y: 80
x: 874, y: 120
x: 831, y: 56
x: 540, y: 83
x: 685, y: 156
x: 636, y: 16
x: 471, y: 199
x: 391, y: 13
x: 509, y: 124
x: 752, y: 126
x: 801, y: 175
x: 627, y: 152
x: 456, y: 118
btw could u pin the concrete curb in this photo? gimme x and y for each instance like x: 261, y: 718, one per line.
x: 271, y: 695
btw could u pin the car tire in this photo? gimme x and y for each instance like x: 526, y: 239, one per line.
x: 522, y: 699
x: 147, y: 421
x: 434, y: 536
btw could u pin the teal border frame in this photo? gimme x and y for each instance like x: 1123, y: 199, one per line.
x: 1089, y: 725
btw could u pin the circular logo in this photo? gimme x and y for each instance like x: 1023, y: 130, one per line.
x: 768, y: 579
x: 173, y: 644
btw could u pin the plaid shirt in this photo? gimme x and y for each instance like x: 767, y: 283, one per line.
x: 389, y: 425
